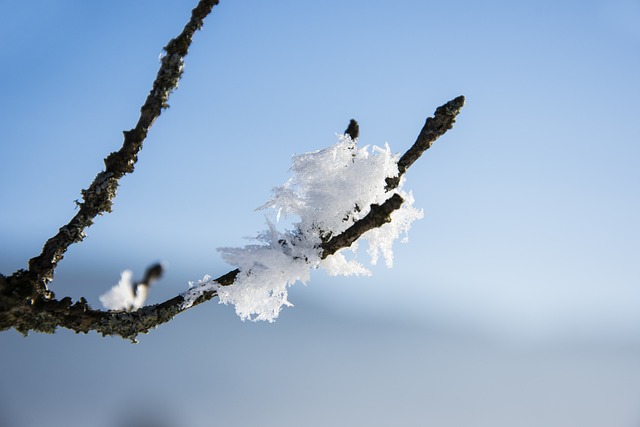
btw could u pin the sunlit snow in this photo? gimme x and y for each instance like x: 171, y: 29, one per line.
x: 124, y: 296
x: 330, y: 190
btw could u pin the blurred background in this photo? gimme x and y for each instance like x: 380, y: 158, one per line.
x: 515, y: 301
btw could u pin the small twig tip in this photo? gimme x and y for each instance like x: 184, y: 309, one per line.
x: 353, y: 130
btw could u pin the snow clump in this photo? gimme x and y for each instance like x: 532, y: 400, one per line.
x: 329, y: 191
x: 125, y: 295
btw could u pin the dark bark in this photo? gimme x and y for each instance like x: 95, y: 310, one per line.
x: 353, y: 130
x: 377, y: 216
x: 434, y: 128
x: 97, y: 199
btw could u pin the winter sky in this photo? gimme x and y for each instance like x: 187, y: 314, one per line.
x: 515, y: 301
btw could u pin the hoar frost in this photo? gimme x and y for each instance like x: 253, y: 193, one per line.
x: 125, y: 295
x: 330, y: 190
x: 197, y: 289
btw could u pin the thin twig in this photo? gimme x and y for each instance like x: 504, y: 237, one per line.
x: 97, y: 199
x: 434, y: 127
x: 25, y: 302
x: 353, y: 130
x: 45, y: 315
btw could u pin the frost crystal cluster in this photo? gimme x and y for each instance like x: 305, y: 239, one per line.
x: 329, y: 191
x: 125, y: 295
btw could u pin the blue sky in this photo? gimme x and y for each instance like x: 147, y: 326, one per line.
x: 525, y: 265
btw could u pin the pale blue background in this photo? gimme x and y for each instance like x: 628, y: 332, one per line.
x: 515, y: 301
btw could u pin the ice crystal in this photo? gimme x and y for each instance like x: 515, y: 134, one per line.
x: 197, y: 289
x: 329, y: 191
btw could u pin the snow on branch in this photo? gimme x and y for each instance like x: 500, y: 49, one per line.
x: 370, y: 204
x: 129, y: 296
x: 48, y: 314
x: 329, y: 192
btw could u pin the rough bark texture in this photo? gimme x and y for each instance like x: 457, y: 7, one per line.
x: 377, y: 216
x: 97, y: 199
x: 434, y: 128
x: 26, y: 304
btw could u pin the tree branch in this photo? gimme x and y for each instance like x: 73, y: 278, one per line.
x: 353, y: 130
x: 434, y: 128
x: 377, y: 216
x: 26, y: 304
x: 97, y: 199
x: 45, y: 315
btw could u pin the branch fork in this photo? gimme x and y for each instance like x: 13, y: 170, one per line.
x: 27, y: 304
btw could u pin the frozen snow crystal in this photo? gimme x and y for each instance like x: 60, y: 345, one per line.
x: 330, y: 190
x: 123, y: 297
x: 266, y: 270
x: 381, y: 239
x: 197, y: 289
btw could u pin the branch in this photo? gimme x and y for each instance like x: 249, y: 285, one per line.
x: 26, y: 303
x: 45, y: 315
x: 353, y: 130
x: 97, y: 199
x: 434, y: 128
x: 377, y: 216
x: 25, y: 300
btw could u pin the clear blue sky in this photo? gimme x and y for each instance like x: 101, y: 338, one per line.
x: 517, y: 291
